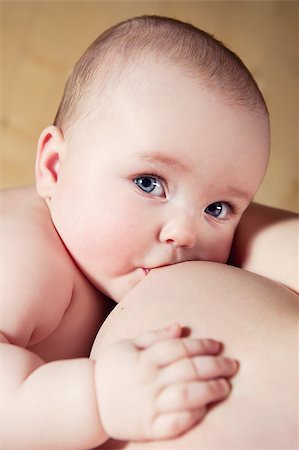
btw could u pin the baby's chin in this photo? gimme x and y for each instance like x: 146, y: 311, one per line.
x: 119, y: 288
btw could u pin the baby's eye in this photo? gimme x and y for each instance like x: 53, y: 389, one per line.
x: 150, y: 185
x: 220, y: 210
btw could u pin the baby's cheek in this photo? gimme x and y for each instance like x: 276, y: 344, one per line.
x: 219, y: 249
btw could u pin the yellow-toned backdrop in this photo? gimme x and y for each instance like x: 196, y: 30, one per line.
x: 41, y: 40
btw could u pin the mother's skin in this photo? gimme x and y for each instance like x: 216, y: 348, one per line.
x: 255, y: 318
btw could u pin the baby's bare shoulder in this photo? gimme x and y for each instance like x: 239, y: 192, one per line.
x: 26, y: 226
x: 37, y: 273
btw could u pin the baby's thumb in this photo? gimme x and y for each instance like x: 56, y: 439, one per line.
x: 149, y: 338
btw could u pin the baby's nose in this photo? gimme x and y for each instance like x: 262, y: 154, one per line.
x: 179, y: 231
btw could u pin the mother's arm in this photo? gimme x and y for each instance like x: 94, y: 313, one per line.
x: 257, y: 320
x: 266, y: 242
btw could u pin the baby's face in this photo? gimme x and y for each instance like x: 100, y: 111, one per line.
x: 162, y: 177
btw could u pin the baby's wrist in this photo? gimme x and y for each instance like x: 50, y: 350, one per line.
x: 103, y: 435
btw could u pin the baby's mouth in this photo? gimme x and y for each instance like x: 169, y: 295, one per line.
x: 147, y: 271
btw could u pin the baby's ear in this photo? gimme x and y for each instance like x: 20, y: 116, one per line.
x: 50, y: 148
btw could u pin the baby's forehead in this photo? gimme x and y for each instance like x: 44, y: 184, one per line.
x: 152, y: 82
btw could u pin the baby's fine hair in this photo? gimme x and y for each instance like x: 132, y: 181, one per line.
x: 165, y: 40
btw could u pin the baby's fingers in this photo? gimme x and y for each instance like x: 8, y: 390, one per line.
x: 173, y: 424
x: 168, y: 351
x: 149, y: 338
x: 190, y: 396
x: 198, y: 368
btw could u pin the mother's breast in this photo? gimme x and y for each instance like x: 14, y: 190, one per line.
x: 256, y: 320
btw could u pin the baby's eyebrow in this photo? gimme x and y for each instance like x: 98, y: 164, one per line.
x: 168, y: 161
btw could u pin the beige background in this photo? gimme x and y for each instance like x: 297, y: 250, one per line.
x: 41, y: 40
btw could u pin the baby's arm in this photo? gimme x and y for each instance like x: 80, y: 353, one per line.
x: 266, y: 242
x: 47, y: 406
x: 144, y: 390
x: 141, y: 390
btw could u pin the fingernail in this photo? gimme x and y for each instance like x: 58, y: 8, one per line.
x: 212, y: 345
x: 173, y: 326
x: 231, y: 363
x: 224, y: 385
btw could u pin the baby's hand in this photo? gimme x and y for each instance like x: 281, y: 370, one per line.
x: 158, y: 385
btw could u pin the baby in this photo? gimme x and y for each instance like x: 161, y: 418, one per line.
x: 159, y: 145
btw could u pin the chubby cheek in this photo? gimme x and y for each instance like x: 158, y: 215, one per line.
x: 102, y: 236
x: 217, y: 247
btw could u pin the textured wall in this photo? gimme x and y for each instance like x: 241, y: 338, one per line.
x: 41, y: 40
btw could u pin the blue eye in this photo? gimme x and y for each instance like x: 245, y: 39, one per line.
x: 150, y: 185
x: 220, y: 210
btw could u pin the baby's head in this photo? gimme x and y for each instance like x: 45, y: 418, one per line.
x: 159, y: 145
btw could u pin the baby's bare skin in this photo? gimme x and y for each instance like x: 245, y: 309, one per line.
x: 51, y: 390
